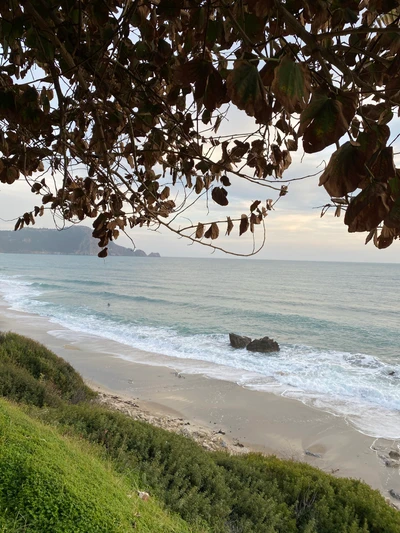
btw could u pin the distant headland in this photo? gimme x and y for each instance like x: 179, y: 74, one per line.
x: 76, y: 240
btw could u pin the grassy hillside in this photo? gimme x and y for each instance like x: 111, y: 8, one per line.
x: 53, y: 484
x: 34, y: 375
x: 211, y: 491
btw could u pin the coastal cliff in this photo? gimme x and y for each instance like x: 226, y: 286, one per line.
x: 76, y: 240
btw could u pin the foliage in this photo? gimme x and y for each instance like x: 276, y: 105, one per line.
x: 32, y: 374
x: 317, y: 501
x: 50, y: 484
x: 110, y: 110
x: 175, y: 468
x: 246, y: 494
x: 212, y: 491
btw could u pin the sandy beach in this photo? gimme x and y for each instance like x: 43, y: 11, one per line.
x: 218, y: 414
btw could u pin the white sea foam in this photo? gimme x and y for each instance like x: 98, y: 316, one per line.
x: 360, y: 387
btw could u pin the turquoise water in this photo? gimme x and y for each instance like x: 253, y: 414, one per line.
x: 337, y: 323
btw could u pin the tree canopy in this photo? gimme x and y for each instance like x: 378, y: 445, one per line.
x: 111, y: 109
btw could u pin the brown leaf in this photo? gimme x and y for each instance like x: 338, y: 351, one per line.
x: 291, y: 145
x: 219, y: 195
x: 371, y: 235
x: 208, y: 82
x: 199, y: 185
x: 244, y: 224
x: 254, y: 220
x: 103, y: 253
x: 165, y: 193
x: 367, y: 210
x: 284, y: 190
x: 345, y: 171
x: 254, y: 205
x: 199, y: 230
x: 212, y: 232
x: 193, y: 71
x: 229, y: 226
x: 225, y: 181
x: 11, y: 174
x: 382, y: 165
x: 386, y: 237
x: 267, y: 72
x: 393, y: 218
x: 215, y: 91
x: 261, y: 8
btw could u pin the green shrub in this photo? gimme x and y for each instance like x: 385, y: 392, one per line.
x: 52, y: 484
x: 176, y: 469
x: 31, y: 373
x: 242, y: 494
x: 18, y: 384
x: 318, y: 502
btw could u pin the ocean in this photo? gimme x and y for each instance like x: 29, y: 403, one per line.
x: 337, y: 324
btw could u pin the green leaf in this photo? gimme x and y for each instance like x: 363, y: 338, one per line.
x: 326, y: 119
x: 246, y: 90
x: 292, y: 85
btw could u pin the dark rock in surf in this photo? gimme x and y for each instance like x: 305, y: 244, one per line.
x: 312, y: 454
x: 394, y: 494
x: 238, y: 341
x: 264, y: 345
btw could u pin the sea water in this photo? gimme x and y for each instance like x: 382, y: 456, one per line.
x: 338, y: 324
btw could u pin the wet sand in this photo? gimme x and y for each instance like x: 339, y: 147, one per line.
x: 216, y: 413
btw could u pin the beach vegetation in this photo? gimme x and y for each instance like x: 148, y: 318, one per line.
x: 249, y: 493
x: 148, y: 100
x: 75, y: 455
x: 31, y: 373
x: 53, y: 484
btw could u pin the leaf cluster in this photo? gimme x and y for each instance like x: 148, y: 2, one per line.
x: 111, y: 111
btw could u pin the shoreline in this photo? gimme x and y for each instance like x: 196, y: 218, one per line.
x: 219, y: 414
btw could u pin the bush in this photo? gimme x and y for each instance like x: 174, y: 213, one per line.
x: 51, y: 484
x: 241, y: 494
x: 244, y: 494
x: 176, y: 469
x: 32, y: 374
x: 318, y: 502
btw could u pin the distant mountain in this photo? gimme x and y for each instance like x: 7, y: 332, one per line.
x: 76, y: 240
